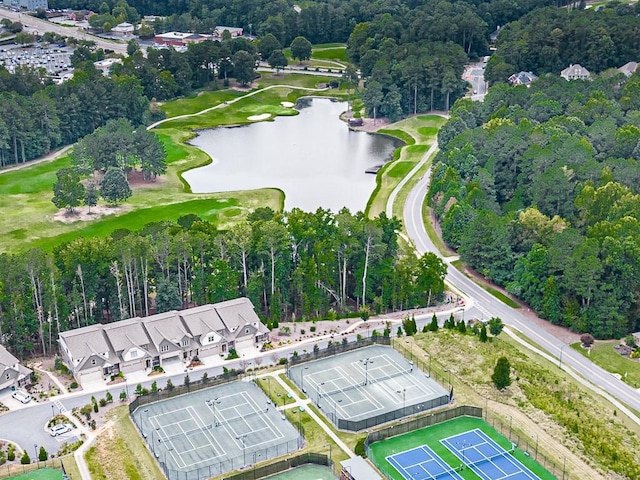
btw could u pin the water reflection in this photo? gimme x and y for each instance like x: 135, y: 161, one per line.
x: 312, y: 157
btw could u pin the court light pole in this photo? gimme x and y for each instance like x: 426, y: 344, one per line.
x: 404, y: 398
x: 212, y: 403
x: 244, y: 448
x: 146, y: 410
x: 302, y: 379
x: 366, y: 363
x: 319, y: 393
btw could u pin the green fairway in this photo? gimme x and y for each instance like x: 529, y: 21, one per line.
x: 431, y: 437
x: 42, y: 474
x: 603, y: 355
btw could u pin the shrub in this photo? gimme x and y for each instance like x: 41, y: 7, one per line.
x: 312, y: 329
x: 95, y: 408
x: 103, y: 402
x: 11, y: 452
x: 283, y: 361
x: 483, y: 333
x: 232, y: 354
x: 302, y: 331
x: 43, y: 455
x: 587, y: 340
x: 359, y: 448
x: 205, y: 377
x: 86, y: 411
x: 630, y: 341
x: 501, y: 377
x: 73, y: 385
x: 170, y: 385
x: 25, y: 460
x: 109, y: 397
x: 123, y: 396
x: 3, y: 458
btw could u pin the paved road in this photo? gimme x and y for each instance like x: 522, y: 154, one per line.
x: 474, y: 74
x: 39, y: 26
x: 488, y: 306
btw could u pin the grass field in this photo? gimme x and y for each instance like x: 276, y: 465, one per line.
x: 42, y: 474
x: 418, y: 133
x: 121, y: 453
x: 431, y: 436
x: 603, y: 355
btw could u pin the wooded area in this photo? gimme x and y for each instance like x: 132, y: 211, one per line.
x: 548, y: 40
x: 300, y: 265
x: 546, y: 179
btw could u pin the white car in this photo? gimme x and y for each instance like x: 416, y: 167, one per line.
x: 60, y: 429
x: 21, y: 396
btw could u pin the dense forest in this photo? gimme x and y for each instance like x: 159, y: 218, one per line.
x: 548, y: 40
x: 37, y: 116
x: 326, y: 21
x: 300, y: 265
x: 537, y: 188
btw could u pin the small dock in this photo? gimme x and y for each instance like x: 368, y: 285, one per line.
x: 373, y: 170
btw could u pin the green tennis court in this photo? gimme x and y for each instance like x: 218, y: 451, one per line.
x: 306, y: 472
x: 42, y: 474
x: 431, y: 436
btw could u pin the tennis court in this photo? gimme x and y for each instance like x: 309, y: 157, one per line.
x: 367, y: 386
x: 215, y: 430
x: 486, y: 458
x: 422, y: 463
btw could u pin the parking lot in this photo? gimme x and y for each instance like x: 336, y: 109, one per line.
x: 54, y: 59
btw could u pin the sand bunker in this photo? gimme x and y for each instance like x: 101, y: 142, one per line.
x: 256, y: 118
x: 287, y: 104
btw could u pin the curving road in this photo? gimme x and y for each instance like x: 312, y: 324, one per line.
x: 599, y: 380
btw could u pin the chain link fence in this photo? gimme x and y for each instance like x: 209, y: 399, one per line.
x: 281, y: 466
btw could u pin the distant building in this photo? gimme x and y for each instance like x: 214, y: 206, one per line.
x: 629, y: 68
x: 123, y: 29
x: 522, y: 78
x: 31, y: 5
x: 493, y: 36
x: 233, y: 31
x: 180, y: 38
x: 575, y: 72
x: 105, y: 65
x: 12, y: 374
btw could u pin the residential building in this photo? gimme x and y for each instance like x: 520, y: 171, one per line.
x: 31, y: 5
x: 522, y: 78
x: 180, y: 38
x: 218, y: 32
x: 12, y: 374
x: 629, y: 68
x: 575, y: 72
x: 105, y: 65
x: 177, y: 337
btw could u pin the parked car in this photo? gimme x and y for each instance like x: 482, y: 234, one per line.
x: 21, y: 396
x: 60, y: 429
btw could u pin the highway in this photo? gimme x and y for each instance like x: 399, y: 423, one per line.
x: 38, y: 26
x: 598, y: 379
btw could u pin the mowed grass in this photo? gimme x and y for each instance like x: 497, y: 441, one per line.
x: 337, y: 53
x: 431, y: 436
x: 42, y: 474
x: 197, y: 102
x: 418, y: 133
x: 603, y: 355
x: 121, y: 453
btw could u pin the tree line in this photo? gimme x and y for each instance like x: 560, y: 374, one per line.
x: 292, y: 266
x: 537, y: 188
x: 37, y: 116
x: 549, y: 40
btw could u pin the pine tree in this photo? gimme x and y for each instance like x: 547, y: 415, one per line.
x: 483, y: 333
x: 502, y: 373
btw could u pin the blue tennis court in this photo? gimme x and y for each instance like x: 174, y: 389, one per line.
x: 422, y: 463
x: 486, y: 458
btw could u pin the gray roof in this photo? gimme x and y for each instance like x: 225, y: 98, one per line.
x: 576, y: 70
x: 6, y: 358
x: 238, y: 313
x: 629, y: 68
x: 165, y: 326
x: 359, y: 469
x: 85, y: 341
x: 523, y: 78
x: 126, y: 334
x: 202, y: 320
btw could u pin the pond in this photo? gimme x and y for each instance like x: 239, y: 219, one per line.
x: 313, y: 157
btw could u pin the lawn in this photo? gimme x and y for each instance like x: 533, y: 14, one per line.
x: 431, y: 436
x: 42, y: 474
x: 603, y: 355
x: 418, y: 133
x: 121, y: 453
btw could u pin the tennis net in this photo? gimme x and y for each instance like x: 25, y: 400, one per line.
x: 369, y: 380
x: 184, y: 433
x: 446, y: 473
x: 226, y: 421
x: 487, y: 459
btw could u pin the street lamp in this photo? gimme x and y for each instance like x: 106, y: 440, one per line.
x: 449, y: 377
x: 335, y: 413
x: 561, y: 349
x: 404, y: 399
x: 429, y: 357
x: 410, y: 348
x: 366, y: 363
x: 53, y: 413
x: 212, y: 404
x: 244, y: 447
x: 144, y: 435
x: 35, y: 447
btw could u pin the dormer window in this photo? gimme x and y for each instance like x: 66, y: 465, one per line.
x: 164, y: 348
x: 185, y: 342
x: 211, y: 339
